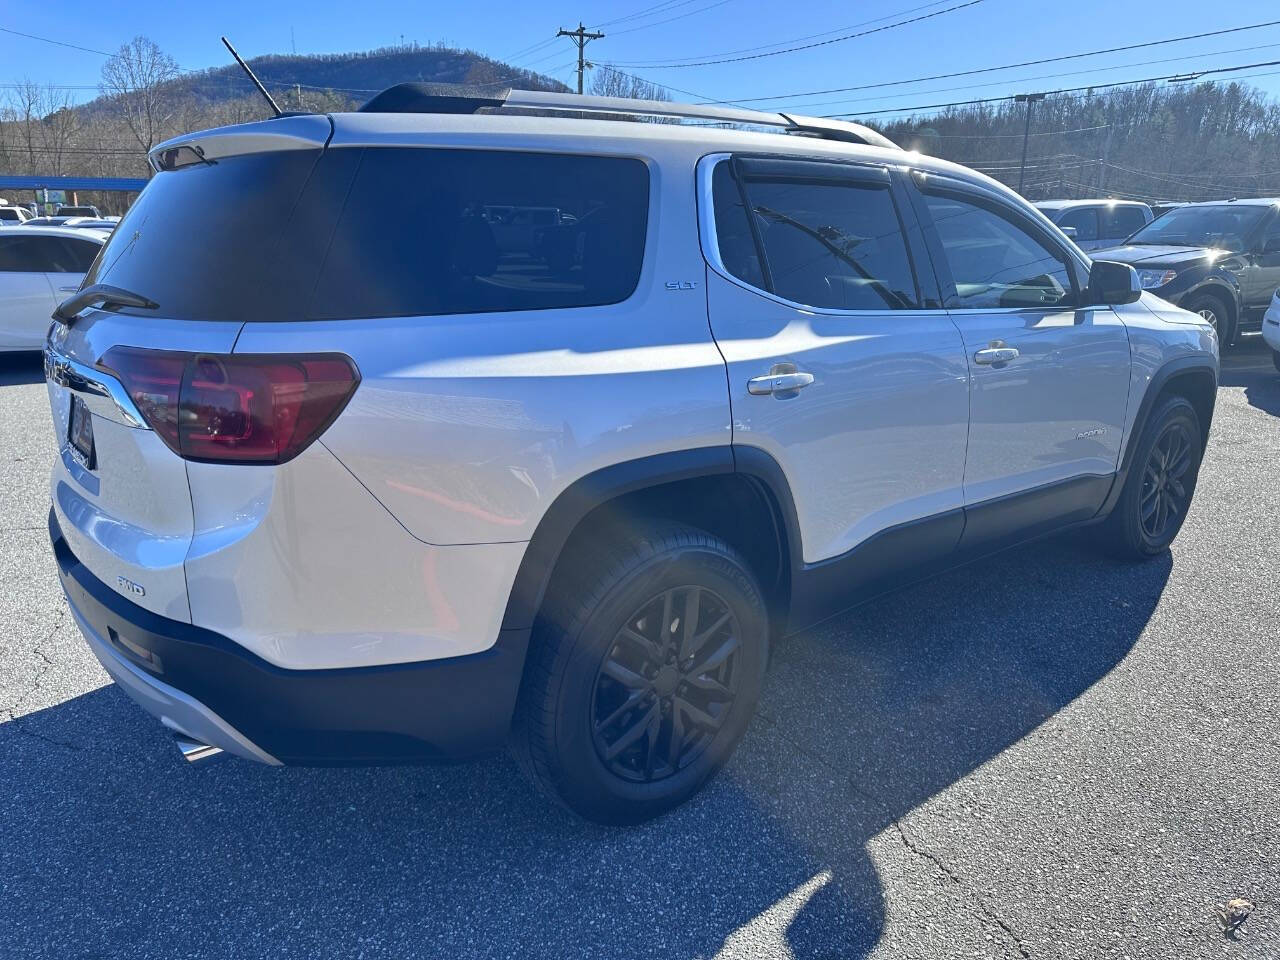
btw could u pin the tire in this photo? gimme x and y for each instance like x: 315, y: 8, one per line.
x: 1163, y: 472
x: 590, y: 684
x: 1212, y: 308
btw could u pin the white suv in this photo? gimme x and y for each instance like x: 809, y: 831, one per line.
x: 550, y: 455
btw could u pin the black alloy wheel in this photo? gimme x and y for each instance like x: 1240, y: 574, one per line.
x: 667, y: 684
x: 1166, y: 494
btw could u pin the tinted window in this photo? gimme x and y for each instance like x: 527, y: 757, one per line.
x: 1084, y: 219
x: 1210, y: 225
x: 45, y: 254
x: 734, y: 239
x: 994, y: 261
x: 203, y: 241
x: 1119, y: 222
x: 832, y: 244
x: 478, y: 231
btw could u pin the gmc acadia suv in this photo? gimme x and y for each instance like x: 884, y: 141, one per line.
x: 550, y: 460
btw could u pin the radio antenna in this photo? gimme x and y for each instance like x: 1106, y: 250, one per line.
x: 275, y: 108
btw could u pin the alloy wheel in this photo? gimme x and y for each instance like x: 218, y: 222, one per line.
x: 1208, y: 313
x: 667, y: 684
x: 1165, y: 482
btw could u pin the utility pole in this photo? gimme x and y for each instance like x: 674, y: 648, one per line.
x: 1029, y: 99
x: 581, y: 38
x: 1106, y: 157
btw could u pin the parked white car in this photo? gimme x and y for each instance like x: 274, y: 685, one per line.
x: 10, y: 216
x: 1271, y: 328
x: 39, y: 268
x: 334, y: 488
x: 1094, y: 224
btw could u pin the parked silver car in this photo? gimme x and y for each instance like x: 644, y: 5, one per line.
x: 1094, y: 224
x: 342, y: 489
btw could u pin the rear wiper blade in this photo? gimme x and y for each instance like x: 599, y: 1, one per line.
x: 100, y: 295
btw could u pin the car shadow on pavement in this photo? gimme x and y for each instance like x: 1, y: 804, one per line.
x: 112, y: 847
x: 20, y: 367
x: 1249, y: 365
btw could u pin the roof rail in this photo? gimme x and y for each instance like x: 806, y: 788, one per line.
x: 456, y: 98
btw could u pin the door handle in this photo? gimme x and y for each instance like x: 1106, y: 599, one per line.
x: 778, y: 383
x: 71, y: 289
x: 998, y: 352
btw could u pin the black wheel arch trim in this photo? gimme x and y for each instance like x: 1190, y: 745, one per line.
x: 1192, y: 366
x: 608, y: 483
x: 1223, y: 286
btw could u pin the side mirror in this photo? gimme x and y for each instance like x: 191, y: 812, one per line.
x: 1069, y: 231
x: 1112, y: 284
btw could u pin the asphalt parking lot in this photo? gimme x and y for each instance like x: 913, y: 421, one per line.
x: 1046, y: 754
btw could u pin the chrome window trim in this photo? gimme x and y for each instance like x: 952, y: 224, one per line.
x: 710, y: 243
x: 102, y: 393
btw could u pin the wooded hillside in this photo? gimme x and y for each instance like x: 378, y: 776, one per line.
x: 1202, y: 141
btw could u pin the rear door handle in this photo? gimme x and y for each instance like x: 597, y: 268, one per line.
x: 998, y: 352
x: 778, y: 383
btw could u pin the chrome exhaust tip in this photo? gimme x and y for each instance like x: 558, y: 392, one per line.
x: 194, y: 750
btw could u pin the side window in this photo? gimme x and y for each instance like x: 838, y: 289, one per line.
x: 832, y: 244
x: 994, y: 261
x: 79, y: 255
x: 485, y: 231
x: 17, y: 255
x: 41, y: 254
x: 1084, y: 219
x: 1120, y: 222
x: 734, y: 239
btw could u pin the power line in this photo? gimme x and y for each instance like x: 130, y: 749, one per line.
x: 819, y: 43
x: 678, y: 16
x: 657, y: 8
x: 780, y: 43
x: 1007, y: 66
x: 1192, y: 75
x: 60, y: 43
x: 1025, y: 80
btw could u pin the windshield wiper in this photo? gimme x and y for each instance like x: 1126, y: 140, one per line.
x: 100, y: 295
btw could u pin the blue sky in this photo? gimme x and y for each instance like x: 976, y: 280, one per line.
x: 987, y: 33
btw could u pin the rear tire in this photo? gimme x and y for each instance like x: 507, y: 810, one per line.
x: 1160, y: 484
x: 644, y: 670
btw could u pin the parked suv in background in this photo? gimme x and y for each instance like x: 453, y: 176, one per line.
x: 1219, y: 260
x: 334, y: 488
x: 1096, y: 223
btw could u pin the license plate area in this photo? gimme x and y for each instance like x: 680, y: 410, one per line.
x: 80, y: 434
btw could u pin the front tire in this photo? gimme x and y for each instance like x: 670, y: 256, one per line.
x: 1212, y: 308
x: 1160, y: 483
x: 644, y: 670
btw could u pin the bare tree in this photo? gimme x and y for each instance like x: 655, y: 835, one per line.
x: 136, y: 81
x: 607, y: 82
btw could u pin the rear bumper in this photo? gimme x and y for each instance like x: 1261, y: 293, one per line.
x: 205, y: 685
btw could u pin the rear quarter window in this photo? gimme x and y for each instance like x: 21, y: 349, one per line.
x: 439, y: 231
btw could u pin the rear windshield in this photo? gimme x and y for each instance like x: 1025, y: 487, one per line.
x: 202, y: 240
x: 382, y: 231
x: 469, y: 231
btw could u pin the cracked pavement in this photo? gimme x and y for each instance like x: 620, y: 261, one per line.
x: 1046, y: 754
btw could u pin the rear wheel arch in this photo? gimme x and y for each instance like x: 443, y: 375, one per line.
x: 748, y: 504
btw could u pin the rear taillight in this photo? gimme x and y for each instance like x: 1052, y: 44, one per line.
x: 235, y: 408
